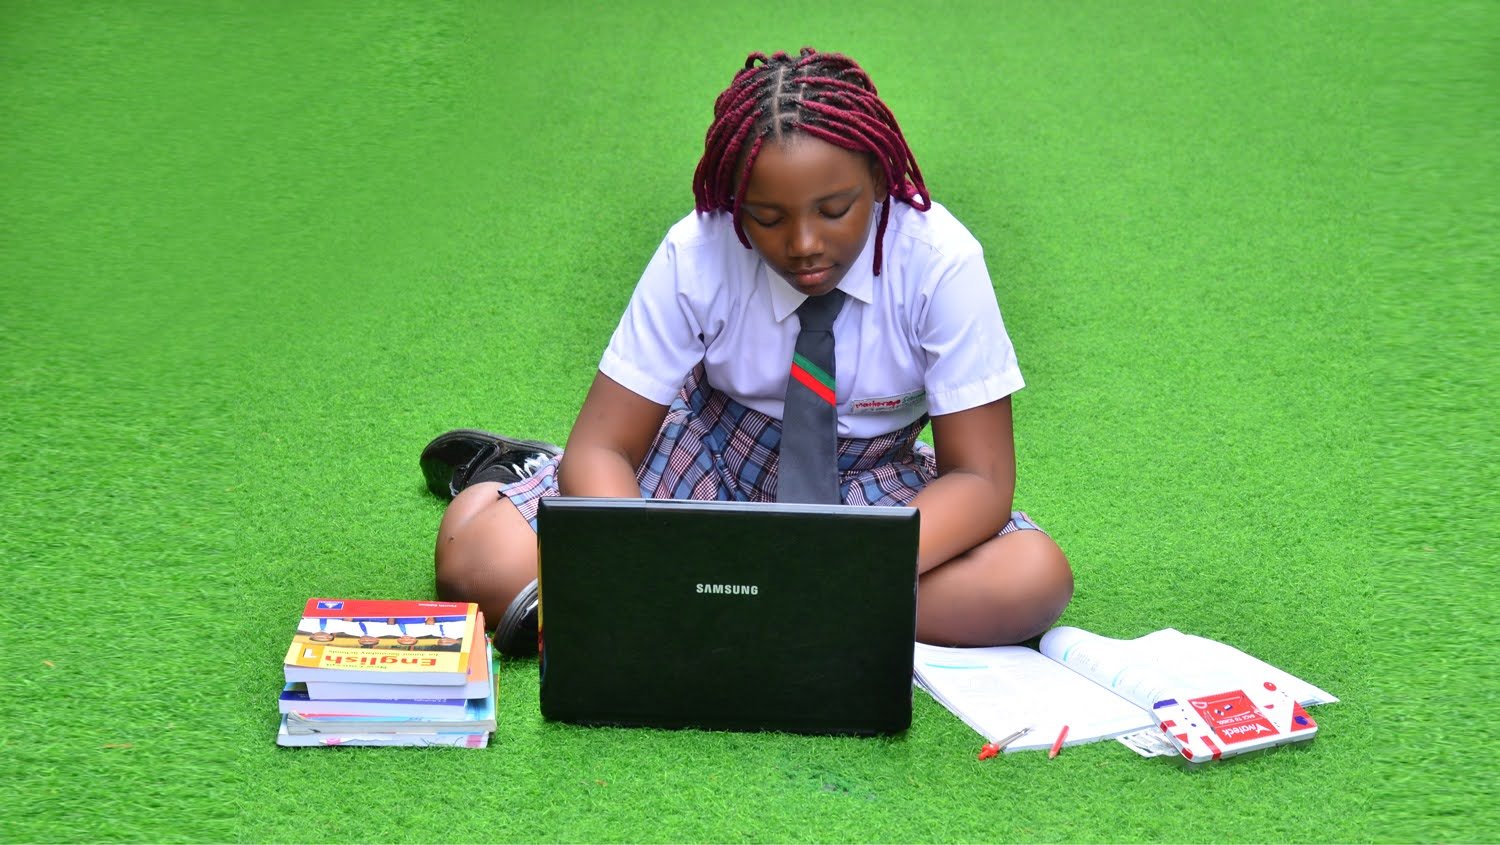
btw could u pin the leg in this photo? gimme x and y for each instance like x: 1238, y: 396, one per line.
x: 486, y: 551
x: 1005, y: 590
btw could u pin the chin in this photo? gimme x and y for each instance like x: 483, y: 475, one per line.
x: 817, y: 288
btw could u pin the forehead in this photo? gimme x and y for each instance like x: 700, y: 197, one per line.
x: 800, y: 169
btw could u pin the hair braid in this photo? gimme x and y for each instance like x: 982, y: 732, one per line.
x: 823, y: 95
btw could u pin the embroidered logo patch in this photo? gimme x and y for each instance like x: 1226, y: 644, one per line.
x: 887, y: 404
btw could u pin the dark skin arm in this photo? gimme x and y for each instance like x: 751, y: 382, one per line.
x: 968, y: 503
x: 614, y: 429
x: 970, y: 500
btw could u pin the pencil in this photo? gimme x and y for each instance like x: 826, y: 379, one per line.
x: 1057, y: 744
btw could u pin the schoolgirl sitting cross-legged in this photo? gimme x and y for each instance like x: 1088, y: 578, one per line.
x: 815, y: 242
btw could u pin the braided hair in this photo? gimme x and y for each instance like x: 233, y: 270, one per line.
x: 823, y: 95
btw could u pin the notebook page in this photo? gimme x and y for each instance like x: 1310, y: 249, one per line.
x: 1223, y: 666
x: 997, y: 691
x: 1166, y: 664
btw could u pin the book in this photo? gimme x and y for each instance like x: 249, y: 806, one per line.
x: 478, y: 715
x: 1103, y: 688
x: 383, y: 642
x: 458, y: 739
x: 294, y: 699
x: 392, y: 721
x: 479, y: 683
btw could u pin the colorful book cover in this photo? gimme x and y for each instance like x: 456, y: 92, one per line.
x: 1212, y: 727
x: 384, y: 641
x: 478, y: 715
x: 480, y: 683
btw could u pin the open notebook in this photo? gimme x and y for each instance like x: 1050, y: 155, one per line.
x: 1099, y: 687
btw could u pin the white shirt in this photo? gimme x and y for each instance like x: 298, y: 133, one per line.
x: 380, y: 629
x: 339, y: 626
x: 925, y: 336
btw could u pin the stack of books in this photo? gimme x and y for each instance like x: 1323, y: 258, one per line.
x: 382, y: 672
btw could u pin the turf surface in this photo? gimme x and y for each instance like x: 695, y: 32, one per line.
x: 254, y: 255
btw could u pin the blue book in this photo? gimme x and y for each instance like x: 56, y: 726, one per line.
x: 478, y: 716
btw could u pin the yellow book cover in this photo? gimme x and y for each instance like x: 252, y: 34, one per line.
x: 384, y: 641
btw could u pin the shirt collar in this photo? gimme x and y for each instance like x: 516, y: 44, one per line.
x: 858, y: 283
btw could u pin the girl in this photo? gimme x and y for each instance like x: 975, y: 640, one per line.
x: 806, y: 190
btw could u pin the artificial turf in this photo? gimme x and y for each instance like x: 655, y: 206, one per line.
x: 254, y: 256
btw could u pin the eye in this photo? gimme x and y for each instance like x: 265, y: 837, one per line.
x: 834, y: 215
x: 762, y: 223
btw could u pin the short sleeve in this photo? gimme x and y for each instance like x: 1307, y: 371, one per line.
x: 658, y: 340
x: 970, y: 360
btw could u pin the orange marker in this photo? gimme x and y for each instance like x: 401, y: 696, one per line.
x: 1057, y: 744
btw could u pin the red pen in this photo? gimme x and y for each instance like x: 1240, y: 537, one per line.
x: 1057, y: 744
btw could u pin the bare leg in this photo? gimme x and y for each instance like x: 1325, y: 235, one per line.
x: 1005, y: 590
x: 486, y: 551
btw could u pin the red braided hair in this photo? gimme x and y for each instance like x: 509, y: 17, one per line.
x: 822, y: 95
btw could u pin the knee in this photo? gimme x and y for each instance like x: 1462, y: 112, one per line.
x: 1008, y: 590
x: 488, y: 575
x: 487, y: 558
x: 1033, y: 583
x: 1047, y: 578
x: 450, y: 577
x: 453, y: 556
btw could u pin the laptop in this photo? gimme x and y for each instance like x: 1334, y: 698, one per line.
x: 727, y: 615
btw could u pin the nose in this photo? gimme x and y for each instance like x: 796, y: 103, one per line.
x: 803, y: 240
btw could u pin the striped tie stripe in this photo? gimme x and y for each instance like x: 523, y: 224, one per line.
x: 812, y: 377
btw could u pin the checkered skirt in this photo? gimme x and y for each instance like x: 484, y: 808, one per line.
x: 711, y: 447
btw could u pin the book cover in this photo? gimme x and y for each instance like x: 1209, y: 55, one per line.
x: 480, y: 682
x: 478, y: 715
x: 383, y: 641
x: 1232, y: 722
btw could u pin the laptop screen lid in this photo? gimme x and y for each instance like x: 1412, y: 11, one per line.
x: 727, y: 615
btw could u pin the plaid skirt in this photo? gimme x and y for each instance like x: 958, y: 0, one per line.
x: 711, y: 447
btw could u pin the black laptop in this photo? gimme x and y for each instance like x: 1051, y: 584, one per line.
x: 727, y: 615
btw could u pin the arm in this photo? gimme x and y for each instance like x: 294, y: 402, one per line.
x: 615, y: 427
x: 970, y: 500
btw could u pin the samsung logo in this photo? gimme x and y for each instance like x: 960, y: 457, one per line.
x: 730, y: 589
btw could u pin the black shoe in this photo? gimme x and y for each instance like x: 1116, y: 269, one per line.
x: 462, y: 457
x: 515, y: 636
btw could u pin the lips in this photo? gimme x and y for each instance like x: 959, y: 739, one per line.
x: 810, y: 277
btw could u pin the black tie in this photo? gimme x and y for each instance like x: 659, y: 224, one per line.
x: 809, y: 426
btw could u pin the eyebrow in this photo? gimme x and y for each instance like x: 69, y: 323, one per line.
x: 847, y: 192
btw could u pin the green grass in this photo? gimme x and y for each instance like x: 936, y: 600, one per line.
x: 254, y: 256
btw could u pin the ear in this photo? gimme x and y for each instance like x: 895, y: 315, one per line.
x: 877, y: 177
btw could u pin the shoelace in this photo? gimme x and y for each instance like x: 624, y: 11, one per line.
x: 527, y: 466
x: 533, y: 462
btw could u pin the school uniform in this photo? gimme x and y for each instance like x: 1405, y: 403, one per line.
x: 710, y: 332
x: 374, y: 628
x: 342, y: 627
x: 419, y: 627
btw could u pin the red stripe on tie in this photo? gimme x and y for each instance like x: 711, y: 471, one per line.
x: 807, y: 380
